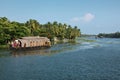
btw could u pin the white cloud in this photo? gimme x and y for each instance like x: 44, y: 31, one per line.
x: 88, y: 17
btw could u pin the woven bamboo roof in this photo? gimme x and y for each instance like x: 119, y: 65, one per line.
x: 34, y: 37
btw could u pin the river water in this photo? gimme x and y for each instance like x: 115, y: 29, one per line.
x: 85, y: 59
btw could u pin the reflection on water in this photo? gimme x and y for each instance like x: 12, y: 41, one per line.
x: 31, y: 52
x: 4, y: 53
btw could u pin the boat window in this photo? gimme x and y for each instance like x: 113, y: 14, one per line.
x: 24, y: 44
x: 31, y: 43
x: 46, y: 42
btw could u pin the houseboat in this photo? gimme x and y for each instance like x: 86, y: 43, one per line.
x: 28, y: 43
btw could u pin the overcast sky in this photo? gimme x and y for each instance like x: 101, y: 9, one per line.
x: 91, y: 16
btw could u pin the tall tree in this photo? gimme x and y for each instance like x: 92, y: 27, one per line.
x: 33, y: 25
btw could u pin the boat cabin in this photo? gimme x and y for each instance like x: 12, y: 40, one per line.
x: 30, y: 42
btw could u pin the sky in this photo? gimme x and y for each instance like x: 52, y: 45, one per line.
x: 90, y: 16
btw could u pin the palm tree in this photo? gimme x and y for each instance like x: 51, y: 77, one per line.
x: 33, y: 25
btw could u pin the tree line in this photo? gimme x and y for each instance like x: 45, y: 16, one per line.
x: 110, y: 35
x: 10, y: 30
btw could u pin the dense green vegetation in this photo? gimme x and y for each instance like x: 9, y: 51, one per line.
x: 110, y: 35
x: 10, y: 30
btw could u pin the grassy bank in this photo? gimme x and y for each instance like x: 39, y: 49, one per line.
x: 4, y: 46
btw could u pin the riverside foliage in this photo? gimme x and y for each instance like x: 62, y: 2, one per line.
x: 110, y: 35
x: 10, y: 30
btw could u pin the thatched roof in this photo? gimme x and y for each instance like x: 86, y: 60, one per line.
x: 34, y: 38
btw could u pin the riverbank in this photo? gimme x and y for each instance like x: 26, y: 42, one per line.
x: 4, y: 46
